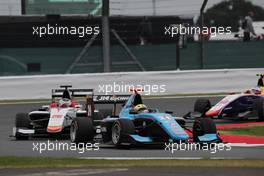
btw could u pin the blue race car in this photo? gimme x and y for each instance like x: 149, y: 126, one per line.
x: 136, y: 124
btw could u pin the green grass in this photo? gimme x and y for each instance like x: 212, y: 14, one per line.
x: 251, y: 130
x: 36, y: 162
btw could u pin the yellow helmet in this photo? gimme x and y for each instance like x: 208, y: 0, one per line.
x: 140, y: 107
x: 262, y: 90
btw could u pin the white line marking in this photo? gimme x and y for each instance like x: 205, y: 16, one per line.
x: 246, y: 145
x: 76, y: 172
x: 145, y: 158
x: 226, y: 158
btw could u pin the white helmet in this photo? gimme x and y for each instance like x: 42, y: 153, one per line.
x: 64, y: 103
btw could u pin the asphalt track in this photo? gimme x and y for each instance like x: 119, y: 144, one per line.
x: 10, y: 147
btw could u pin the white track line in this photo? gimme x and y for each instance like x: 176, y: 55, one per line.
x: 156, y: 158
x: 76, y: 172
x: 246, y: 145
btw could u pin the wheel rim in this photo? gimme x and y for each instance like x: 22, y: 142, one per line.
x: 73, y: 132
x: 116, y: 133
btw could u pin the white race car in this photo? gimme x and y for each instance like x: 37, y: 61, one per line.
x: 54, y: 119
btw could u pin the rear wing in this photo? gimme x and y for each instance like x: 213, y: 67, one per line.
x: 58, y: 93
x: 104, y: 99
x: 74, y: 92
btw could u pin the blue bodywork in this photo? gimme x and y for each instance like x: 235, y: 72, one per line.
x: 165, y: 121
x: 208, y: 137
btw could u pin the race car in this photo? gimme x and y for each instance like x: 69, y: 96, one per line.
x: 245, y: 105
x: 138, y: 125
x: 54, y: 119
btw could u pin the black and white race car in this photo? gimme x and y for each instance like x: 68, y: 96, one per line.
x: 55, y: 119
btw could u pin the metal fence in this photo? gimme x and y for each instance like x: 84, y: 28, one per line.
x: 125, y: 43
x: 220, y: 54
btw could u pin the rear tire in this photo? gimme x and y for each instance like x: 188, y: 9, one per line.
x: 22, y: 121
x: 203, y: 126
x: 259, y: 105
x: 120, y: 131
x: 82, y: 130
x: 202, y: 105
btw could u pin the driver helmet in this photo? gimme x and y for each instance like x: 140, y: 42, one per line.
x: 140, y: 107
x: 262, y: 90
x: 64, y: 103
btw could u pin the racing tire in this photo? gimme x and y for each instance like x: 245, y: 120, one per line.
x: 120, y: 131
x: 82, y: 130
x: 22, y: 121
x: 202, y: 105
x: 203, y: 126
x: 259, y: 105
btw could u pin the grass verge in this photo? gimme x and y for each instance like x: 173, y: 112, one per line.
x: 36, y: 162
x: 250, y: 130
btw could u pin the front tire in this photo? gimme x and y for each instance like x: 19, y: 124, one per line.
x: 202, y: 105
x: 203, y: 126
x: 120, y: 131
x: 82, y: 130
x: 22, y: 121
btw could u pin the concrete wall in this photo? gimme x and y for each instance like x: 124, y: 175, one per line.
x: 173, y: 82
x: 10, y: 7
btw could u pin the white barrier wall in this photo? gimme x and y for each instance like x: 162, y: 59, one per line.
x: 176, y: 82
x: 10, y: 7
